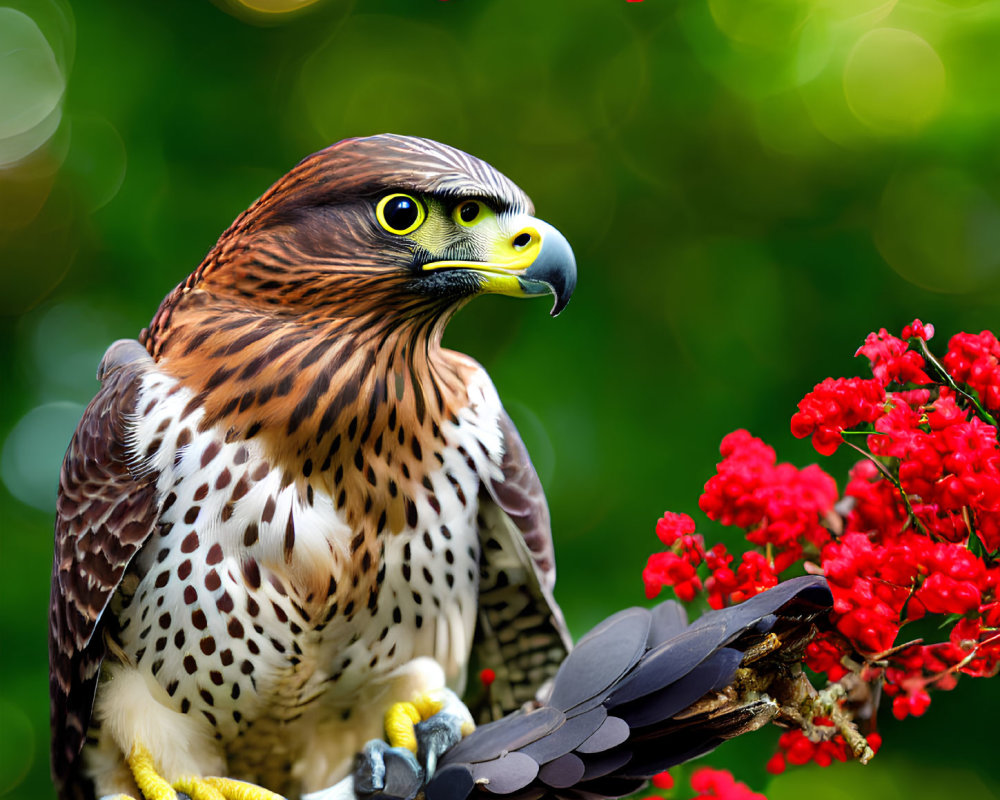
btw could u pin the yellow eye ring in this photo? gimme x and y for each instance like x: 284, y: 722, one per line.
x: 400, y: 213
x: 468, y: 212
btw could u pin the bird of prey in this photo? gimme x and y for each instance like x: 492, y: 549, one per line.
x: 289, y: 509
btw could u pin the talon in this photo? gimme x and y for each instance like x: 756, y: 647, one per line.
x: 399, y: 722
x: 387, y: 773
x: 152, y: 785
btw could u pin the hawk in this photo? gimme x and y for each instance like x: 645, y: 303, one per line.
x: 289, y: 508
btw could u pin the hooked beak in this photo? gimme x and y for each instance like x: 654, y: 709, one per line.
x: 536, y: 260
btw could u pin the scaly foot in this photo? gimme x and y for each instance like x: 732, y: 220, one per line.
x: 418, y: 733
x: 155, y: 787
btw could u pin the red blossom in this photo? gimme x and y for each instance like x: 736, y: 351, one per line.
x: 719, y: 784
x: 836, y: 405
x: 975, y: 361
x: 892, y: 361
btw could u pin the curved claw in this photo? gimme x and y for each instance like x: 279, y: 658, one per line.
x: 382, y: 772
x: 435, y: 736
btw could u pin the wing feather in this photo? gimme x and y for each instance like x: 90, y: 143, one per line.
x: 104, y: 514
x: 521, y: 634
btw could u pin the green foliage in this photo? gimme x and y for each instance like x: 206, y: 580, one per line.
x: 750, y: 186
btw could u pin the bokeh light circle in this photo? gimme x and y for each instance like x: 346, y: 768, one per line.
x: 894, y: 81
x: 31, y: 86
x: 18, y: 750
x: 33, y: 451
x: 940, y: 230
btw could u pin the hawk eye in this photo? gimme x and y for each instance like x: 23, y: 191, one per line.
x: 467, y: 212
x: 400, y: 213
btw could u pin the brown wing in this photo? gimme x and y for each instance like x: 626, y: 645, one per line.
x: 104, y: 514
x: 521, y: 633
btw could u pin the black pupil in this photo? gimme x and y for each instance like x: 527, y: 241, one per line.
x: 401, y: 212
x: 469, y: 212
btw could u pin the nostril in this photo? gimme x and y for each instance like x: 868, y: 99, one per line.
x: 522, y: 240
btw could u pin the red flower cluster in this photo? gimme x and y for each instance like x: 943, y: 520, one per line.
x: 794, y: 747
x: 834, y: 406
x: 917, y: 532
x: 719, y: 784
x: 780, y: 506
x: 975, y: 361
x: 711, y: 784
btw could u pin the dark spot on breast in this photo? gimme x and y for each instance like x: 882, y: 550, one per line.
x: 207, y: 645
x: 190, y: 516
x: 241, y: 455
x: 183, y: 438
x: 214, y: 554
x: 216, y: 677
x: 198, y: 619
x: 251, y: 573
x: 185, y: 705
x: 153, y: 447
x: 428, y: 576
x: 268, y: 513
x: 168, y: 501
x: 212, y: 581
x: 433, y: 502
x: 224, y: 603
x: 235, y: 694
x: 307, y: 467
x: 393, y: 488
x: 241, y: 488
x: 252, y: 430
x: 411, y: 513
x: 250, y: 535
x: 289, y: 543
x: 260, y: 471
x: 190, y: 665
x: 162, y: 578
x: 210, y: 452
x: 172, y: 688
x: 190, y: 595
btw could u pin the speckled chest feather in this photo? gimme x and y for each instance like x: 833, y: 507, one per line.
x: 273, y: 591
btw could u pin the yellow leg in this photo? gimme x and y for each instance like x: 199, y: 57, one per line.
x: 399, y: 722
x: 198, y: 788
x: 241, y: 790
x: 155, y: 787
x: 401, y: 717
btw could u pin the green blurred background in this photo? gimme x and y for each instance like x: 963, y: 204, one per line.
x: 750, y: 186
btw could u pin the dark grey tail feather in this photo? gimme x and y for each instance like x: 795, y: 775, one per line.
x: 642, y: 692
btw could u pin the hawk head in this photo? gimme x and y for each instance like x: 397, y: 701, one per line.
x: 392, y: 225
